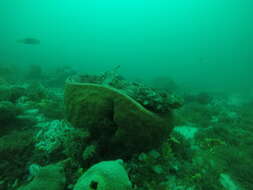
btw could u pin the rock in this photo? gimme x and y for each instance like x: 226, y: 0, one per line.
x: 114, y: 119
x: 106, y: 175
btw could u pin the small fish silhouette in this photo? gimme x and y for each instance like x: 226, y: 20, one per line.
x: 30, y: 41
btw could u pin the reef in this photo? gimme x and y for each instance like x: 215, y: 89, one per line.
x: 77, y: 137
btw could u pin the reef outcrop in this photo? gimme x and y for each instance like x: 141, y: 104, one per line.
x: 115, y: 120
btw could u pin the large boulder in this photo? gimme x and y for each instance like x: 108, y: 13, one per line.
x: 114, y: 119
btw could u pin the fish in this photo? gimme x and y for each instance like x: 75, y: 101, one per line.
x: 29, y: 41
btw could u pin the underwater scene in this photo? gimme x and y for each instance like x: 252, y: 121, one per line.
x: 126, y: 95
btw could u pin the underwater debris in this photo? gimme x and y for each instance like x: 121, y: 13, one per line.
x: 29, y: 41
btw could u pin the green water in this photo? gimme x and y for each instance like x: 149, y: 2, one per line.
x: 206, y: 44
x: 190, y: 48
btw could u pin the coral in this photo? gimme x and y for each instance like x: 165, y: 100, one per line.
x: 151, y: 169
x: 74, y: 143
x: 106, y: 175
x: 157, y: 100
x: 202, y: 172
x: 51, y: 135
x: 237, y: 162
x: 114, y: 119
x: 58, y: 138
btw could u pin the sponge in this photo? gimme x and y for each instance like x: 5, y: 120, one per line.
x: 50, y: 177
x: 106, y: 175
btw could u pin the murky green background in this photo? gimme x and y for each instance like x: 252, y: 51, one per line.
x: 207, y: 44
